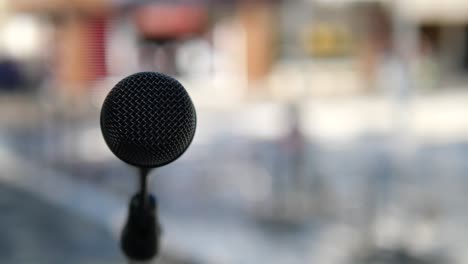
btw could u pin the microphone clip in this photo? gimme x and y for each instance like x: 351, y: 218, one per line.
x: 140, y: 236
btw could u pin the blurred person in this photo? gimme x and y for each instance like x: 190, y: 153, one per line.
x: 160, y: 27
x: 289, y: 179
x: 376, y: 45
x: 426, y: 68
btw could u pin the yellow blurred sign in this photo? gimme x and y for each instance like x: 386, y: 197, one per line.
x: 326, y: 40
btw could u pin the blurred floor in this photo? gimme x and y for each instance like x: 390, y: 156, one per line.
x: 35, y: 231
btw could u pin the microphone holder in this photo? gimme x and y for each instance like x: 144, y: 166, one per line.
x: 140, y: 235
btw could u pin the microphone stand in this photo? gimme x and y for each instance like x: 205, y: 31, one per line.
x: 141, y: 233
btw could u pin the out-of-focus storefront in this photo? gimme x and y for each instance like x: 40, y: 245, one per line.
x: 443, y: 30
x: 76, y: 41
x: 359, y: 40
x: 262, y: 44
x: 84, y: 34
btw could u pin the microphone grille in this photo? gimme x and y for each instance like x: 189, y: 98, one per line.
x: 148, y: 119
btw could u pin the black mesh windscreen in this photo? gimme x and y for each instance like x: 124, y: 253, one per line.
x: 148, y: 119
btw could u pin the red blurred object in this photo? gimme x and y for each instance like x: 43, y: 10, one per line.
x: 170, y: 21
x: 97, y: 35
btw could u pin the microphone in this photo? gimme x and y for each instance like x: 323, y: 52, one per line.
x: 147, y: 120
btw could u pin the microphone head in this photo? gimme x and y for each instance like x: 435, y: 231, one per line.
x: 148, y: 119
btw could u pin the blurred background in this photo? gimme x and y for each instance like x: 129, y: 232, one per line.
x: 329, y: 131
